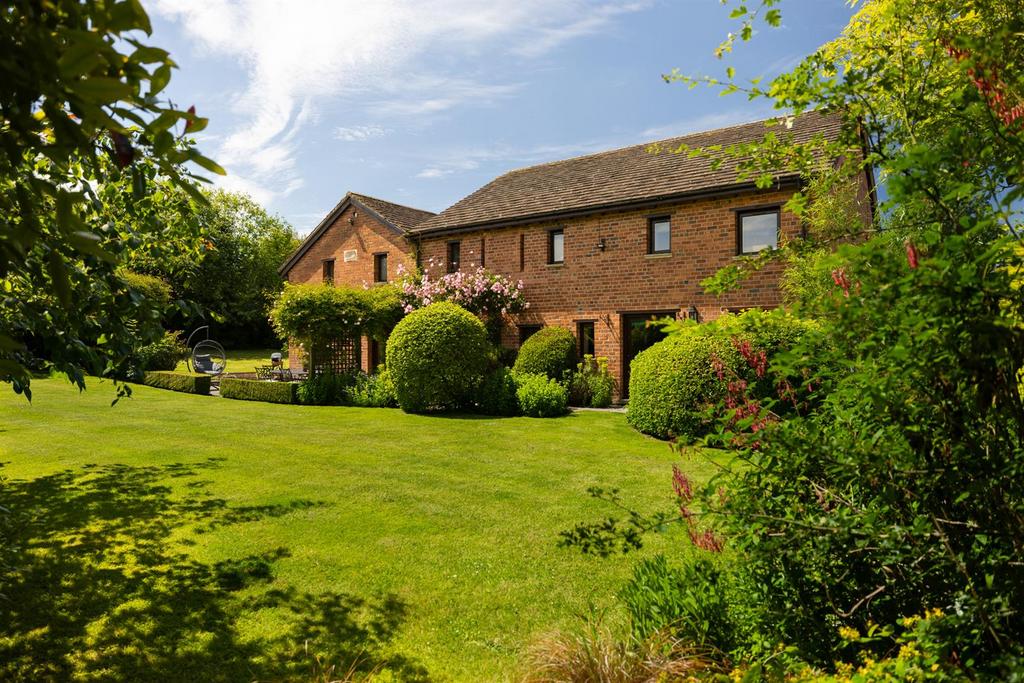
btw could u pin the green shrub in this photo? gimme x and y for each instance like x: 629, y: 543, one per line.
x: 673, y: 383
x: 325, y: 388
x: 497, y: 393
x: 163, y: 354
x: 438, y: 356
x: 688, y: 600
x: 176, y: 381
x: 372, y: 391
x: 591, y: 385
x: 540, y: 396
x: 551, y: 351
x: 259, y: 390
x: 155, y: 290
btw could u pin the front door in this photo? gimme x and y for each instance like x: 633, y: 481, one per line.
x: 637, y: 335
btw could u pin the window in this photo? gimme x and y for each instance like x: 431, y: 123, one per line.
x: 556, y: 246
x: 757, y: 230
x: 527, y: 331
x: 522, y: 251
x: 454, y: 256
x: 659, y: 236
x: 483, y: 252
x: 328, y: 271
x: 585, y: 338
x: 380, y: 267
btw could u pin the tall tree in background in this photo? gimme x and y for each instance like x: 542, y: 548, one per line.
x: 84, y: 126
x: 234, y: 283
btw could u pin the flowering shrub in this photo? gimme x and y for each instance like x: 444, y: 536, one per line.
x: 481, y: 292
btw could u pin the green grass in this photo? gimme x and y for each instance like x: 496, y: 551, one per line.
x: 178, y: 537
x: 243, y: 360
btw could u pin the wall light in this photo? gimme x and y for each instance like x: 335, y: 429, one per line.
x: 601, y: 244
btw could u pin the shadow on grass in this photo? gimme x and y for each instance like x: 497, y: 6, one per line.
x: 95, y: 584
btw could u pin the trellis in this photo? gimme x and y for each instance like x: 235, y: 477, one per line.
x: 336, y: 356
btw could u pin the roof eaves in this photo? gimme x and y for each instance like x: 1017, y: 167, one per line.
x: 781, y: 181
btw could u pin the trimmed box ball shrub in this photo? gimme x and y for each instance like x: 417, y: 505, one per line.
x: 541, y: 396
x: 550, y: 351
x: 497, y: 394
x: 176, y: 381
x: 672, y: 383
x: 438, y: 356
x: 259, y: 390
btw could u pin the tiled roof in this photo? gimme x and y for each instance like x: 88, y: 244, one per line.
x: 399, y: 218
x: 402, y: 217
x: 618, y: 177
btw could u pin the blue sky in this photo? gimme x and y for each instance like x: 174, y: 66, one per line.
x: 421, y: 102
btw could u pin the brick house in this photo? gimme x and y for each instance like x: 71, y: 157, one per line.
x: 362, y: 240
x: 606, y: 242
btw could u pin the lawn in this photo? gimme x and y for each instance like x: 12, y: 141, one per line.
x: 177, y: 537
x: 243, y: 360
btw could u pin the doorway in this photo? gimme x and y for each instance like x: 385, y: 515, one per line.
x: 638, y: 334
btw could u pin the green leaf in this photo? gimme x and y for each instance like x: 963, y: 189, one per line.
x: 80, y: 58
x: 730, y: 72
x: 773, y: 18
x: 89, y: 243
x: 148, y: 55
x: 738, y: 12
x: 102, y: 90
x: 208, y: 164
x: 159, y: 79
x: 59, y: 279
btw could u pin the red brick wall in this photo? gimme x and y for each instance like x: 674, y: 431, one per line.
x: 603, y: 285
x: 354, y: 229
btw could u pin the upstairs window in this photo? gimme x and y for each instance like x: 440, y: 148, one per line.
x: 757, y: 230
x: 454, y: 256
x: 556, y: 246
x: 380, y: 267
x: 327, y: 271
x: 659, y: 236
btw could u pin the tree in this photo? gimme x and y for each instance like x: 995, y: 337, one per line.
x: 234, y: 283
x: 83, y: 122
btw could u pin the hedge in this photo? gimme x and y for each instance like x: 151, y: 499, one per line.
x: 437, y: 357
x: 673, y: 383
x: 259, y: 390
x: 550, y: 351
x: 176, y: 381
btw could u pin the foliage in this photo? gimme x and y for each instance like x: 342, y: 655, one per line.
x: 318, y: 314
x: 373, y: 391
x: 481, y: 292
x: 176, y: 381
x: 163, y: 354
x: 438, y: 356
x: 900, y: 492
x: 326, y: 388
x: 688, y: 601
x: 154, y: 289
x: 258, y: 390
x: 497, y: 393
x: 83, y: 127
x: 550, y: 351
x: 673, y: 383
x: 540, y: 396
x: 591, y: 384
x: 235, y: 281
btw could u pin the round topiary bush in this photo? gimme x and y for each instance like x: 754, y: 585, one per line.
x: 672, y: 383
x: 437, y: 357
x: 550, y: 351
x: 541, y: 396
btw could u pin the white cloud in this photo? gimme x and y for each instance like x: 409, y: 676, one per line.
x: 299, y: 55
x: 359, y: 133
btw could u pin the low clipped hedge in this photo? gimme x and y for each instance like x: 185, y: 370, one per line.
x: 550, y: 351
x: 437, y: 356
x: 672, y: 384
x: 176, y: 381
x: 259, y: 390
